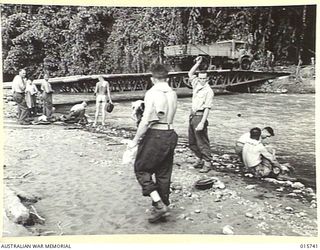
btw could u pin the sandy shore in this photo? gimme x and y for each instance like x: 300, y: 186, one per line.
x: 83, y: 189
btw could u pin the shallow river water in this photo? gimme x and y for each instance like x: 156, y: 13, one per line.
x: 291, y: 116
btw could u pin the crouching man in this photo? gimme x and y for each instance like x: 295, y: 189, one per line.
x: 257, y: 159
x: 156, y: 141
x: 77, y: 113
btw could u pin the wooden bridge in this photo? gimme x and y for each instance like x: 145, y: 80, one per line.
x: 229, y: 80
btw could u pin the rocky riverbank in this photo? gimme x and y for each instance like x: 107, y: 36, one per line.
x: 83, y: 189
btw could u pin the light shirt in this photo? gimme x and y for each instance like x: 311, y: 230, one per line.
x: 253, y: 151
x: 18, y: 84
x: 77, y: 107
x: 202, y: 95
x: 31, y: 88
x: 156, y: 104
x: 244, y: 138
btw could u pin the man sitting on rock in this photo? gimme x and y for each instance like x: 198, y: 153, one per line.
x: 77, y: 114
x: 257, y: 159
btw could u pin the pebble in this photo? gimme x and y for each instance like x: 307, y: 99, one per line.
x: 226, y: 157
x: 303, y: 214
x: 248, y: 175
x: 289, y: 209
x: 182, y: 208
x: 280, y: 189
x: 313, y: 202
x: 309, y: 190
x: 197, y: 211
x: 251, y: 186
x: 188, y: 194
x: 249, y: 215
x: 297, y: 185
x: 230, y: 166
x: 297, y: 191
x: 228, y: 230
x: 219, y: 216
x: 276, y: 212
x: 217, y: 200
x: 313, y: 205
x: 292, y: 195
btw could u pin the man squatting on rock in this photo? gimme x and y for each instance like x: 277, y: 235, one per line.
x: 157, y: 141
x: 202, y: 98
x: 256, y: 157
x: 266, y: 133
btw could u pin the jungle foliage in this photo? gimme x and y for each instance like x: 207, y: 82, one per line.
x: 71, y: 40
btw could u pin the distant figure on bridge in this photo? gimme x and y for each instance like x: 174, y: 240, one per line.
x: 202, y: 99
x: 18, y: 91
x: 137, y: 110
x: 257, y: 159
x: 101, y: 91
x: 47, y: 92
x: 270, y: 60
x: 31, y: 97
x: 267, y: 132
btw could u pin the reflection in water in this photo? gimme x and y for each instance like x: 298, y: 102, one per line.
x: 291, y: 116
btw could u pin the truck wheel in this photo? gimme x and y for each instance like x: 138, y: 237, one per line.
x: 245, y: 64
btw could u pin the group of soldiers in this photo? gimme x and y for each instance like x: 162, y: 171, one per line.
x: 155, y: 139
x: 25, y: 94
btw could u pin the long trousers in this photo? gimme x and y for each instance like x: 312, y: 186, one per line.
x: 47, y: 104
x: 155, y: 156
x: 199, y: 140
x: 23, y: 112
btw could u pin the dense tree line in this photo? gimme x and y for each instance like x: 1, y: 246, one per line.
x: 70, y: 40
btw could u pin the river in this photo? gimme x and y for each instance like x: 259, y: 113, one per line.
x: 291, y: 116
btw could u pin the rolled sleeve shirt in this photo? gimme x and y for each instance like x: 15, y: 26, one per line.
x: 202, y: 96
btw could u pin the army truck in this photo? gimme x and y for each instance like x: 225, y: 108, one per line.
x: 223, y: 54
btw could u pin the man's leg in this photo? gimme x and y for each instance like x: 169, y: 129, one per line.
x: 22, y: 107
x: 203, y: 145
x: 103, y: 113
x: 264, y: 169
x: 164, y: 171
x: 97, y: 112
x: 193, y: 142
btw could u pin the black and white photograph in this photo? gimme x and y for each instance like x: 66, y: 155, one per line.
x: 159, y: 120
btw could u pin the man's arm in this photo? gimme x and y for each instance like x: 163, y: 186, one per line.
x: 195, y: 67
x: 143, y: 126
x: 266, y: 154
x: 203, y: 120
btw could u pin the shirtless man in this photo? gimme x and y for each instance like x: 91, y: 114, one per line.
x: 101, y: 91
x: 157, y: 141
